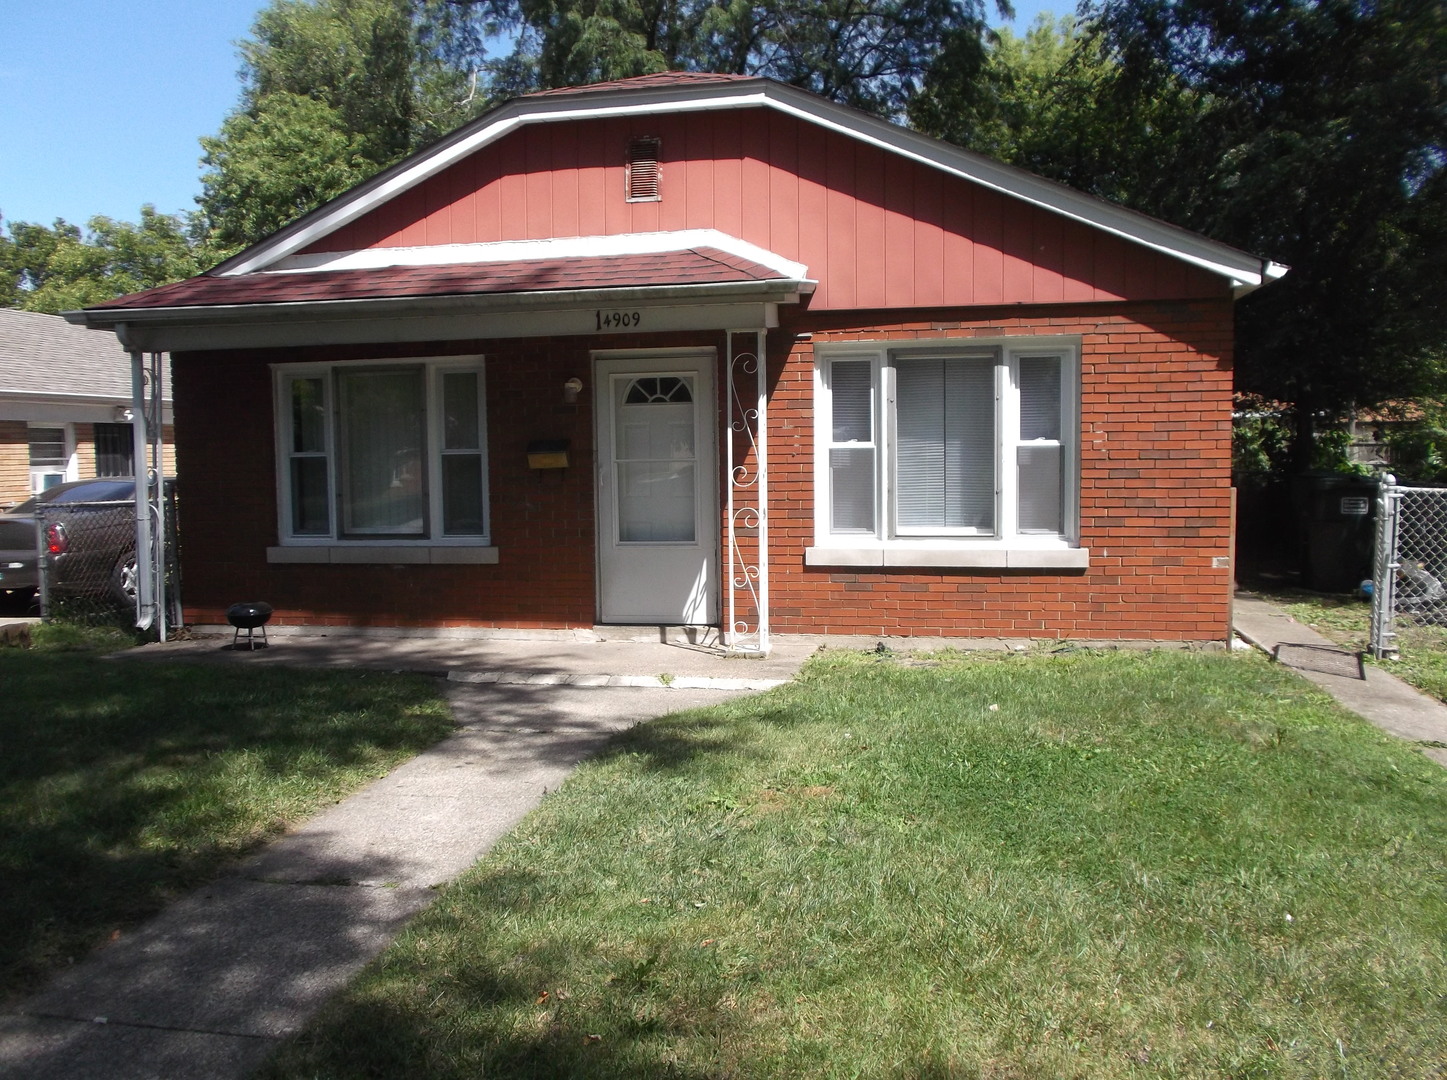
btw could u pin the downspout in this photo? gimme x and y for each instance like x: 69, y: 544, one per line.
x: 140, y: 454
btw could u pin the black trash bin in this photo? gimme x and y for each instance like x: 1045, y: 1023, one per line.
x: 1337, y: 516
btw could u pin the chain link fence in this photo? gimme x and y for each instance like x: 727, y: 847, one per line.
x: 87, y: 560
x: 1409, y: 595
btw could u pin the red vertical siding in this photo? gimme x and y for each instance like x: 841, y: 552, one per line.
x: 874, y: 228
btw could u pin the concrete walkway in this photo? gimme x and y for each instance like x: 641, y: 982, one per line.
x: 1366, y: 690
x: 210, y: 986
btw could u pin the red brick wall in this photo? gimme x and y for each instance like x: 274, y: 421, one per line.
x: 542, y: 520
x: 1155, y: 491
x: 1155, y: 465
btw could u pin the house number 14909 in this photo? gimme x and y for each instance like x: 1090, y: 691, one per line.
x: 618, y: 320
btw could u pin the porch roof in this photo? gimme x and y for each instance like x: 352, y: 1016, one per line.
x: 583, y: 286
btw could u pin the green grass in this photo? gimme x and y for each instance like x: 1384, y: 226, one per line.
x: 1347, y: 621
x: 1081, y: 865
x: 122, y: 784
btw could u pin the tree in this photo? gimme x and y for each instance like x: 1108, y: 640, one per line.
x: 336, y: 90
x: 63, y: 268
x: 1320, y: 142
x: 1036, y: 102
x: 872, y: 54
x: 1312, y: 132
x: 276, y: 162
x: 332, y: 92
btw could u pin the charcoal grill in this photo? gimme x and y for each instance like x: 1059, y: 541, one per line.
x: 251, y: 616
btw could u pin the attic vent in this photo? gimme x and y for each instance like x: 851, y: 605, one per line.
x: 643, y: 174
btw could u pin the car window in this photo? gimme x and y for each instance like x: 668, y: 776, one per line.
x: 100, y: 491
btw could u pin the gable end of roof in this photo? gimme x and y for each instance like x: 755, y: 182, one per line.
x: 675, y: 92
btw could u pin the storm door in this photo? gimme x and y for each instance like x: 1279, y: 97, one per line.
x: 657, y: 501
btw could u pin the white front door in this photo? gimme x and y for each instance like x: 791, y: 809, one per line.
x: 657, y: 503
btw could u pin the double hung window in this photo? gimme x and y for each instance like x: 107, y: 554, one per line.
x: 967, y: 448
x: 382, y: 452
x: 50, y: 457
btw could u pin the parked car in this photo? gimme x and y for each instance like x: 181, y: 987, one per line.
x: 88, y: 531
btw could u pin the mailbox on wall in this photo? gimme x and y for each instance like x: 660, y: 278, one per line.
x: 548, y: 454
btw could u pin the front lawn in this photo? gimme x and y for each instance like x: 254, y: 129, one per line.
x: 1089, y: 865
x: 124, y: 784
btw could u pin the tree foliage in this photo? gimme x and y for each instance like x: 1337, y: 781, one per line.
x: 1319, y: 140
x: 274, y: 163
x: 1312, y: 132
x: 871, y: 54
x: 64, y: 268
x: 1039, y: 102
x: 332, y: 92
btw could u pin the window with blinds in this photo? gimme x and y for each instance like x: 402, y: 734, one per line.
x: 945, y: 459
x: 393, y: 452
x: 973, y: 444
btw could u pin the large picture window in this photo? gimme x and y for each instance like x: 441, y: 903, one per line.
x: 373, y: 452
x: 927, y: 452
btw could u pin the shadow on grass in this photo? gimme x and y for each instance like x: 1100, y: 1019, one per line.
x: 123, y: 785
x: 678, y: 742
x: 384, y: 1040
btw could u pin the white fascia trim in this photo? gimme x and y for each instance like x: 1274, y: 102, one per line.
x: 1242, y: 269
x: 42, y: 397
x: 570, y: 247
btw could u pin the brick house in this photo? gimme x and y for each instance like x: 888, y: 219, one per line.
x: 710, y: 350
x: 65, y: 405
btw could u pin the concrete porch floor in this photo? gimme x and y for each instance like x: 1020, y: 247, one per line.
x: 645, y: 657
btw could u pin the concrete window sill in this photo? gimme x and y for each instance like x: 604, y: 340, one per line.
x: 950, y: 556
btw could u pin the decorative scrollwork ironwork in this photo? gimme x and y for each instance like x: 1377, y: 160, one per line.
x: 747, y: 511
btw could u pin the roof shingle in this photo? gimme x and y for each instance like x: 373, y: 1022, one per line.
x: 692, y: 266
x: 649, y: 82
x: 44, y: 354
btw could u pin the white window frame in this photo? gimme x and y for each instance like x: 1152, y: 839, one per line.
x: 336, y: 545
x: 67, y: 470
x: 1006, y: 546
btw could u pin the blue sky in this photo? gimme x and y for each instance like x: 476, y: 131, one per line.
x: 105, y: 101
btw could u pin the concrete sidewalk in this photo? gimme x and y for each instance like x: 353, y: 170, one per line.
x: 1368, y: 691
x: 210, y: 986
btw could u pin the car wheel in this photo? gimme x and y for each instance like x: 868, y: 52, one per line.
x: 124, y: 581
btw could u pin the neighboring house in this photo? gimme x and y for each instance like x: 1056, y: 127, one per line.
x: 65, y: 404
x: 514, y: 382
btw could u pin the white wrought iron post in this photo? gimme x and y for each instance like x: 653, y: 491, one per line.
x: 746, y: 631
